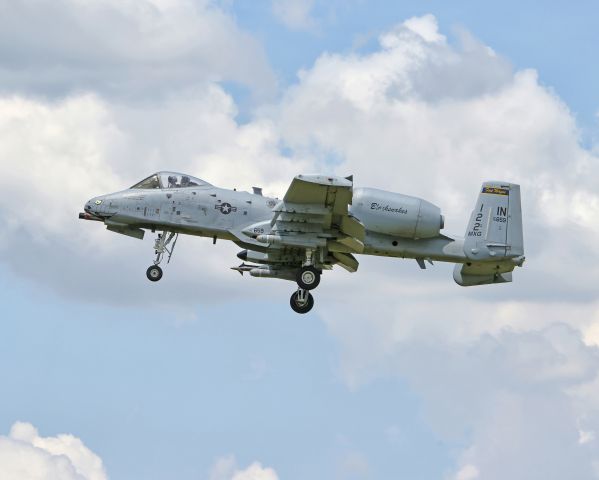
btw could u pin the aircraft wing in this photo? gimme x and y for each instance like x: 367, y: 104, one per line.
x: 314, y: 215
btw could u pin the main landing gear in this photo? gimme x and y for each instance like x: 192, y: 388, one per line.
x: 301, y: 301
x: 308, y: 278
x: 161, y: 246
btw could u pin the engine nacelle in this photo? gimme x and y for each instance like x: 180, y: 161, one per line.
x: 396, y: 214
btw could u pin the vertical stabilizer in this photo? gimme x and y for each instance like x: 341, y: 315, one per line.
x: 495, y: 227
x: 493, y: 244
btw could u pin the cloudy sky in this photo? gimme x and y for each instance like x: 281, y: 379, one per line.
x: 397, y: 372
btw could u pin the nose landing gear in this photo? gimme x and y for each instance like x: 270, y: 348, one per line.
x: 154, y: 273
x: 161, y: 246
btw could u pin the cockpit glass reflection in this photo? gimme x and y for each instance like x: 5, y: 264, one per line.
x: 177, y: 180
x: 170, y: 180
x: 148, y: 183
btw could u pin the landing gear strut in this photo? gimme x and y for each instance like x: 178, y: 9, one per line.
x: 161, y: 246
x: 301, y: 301
x: 308, y: 278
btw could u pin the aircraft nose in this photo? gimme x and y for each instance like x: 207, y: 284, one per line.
x: 91, y: 210
x: 94, y: 205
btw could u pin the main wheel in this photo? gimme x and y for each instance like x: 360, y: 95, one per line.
x: 154, y: 273
x: 301, y: 305
x: 308, y: 278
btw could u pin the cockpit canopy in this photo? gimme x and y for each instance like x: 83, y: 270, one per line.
x: 170, y: 180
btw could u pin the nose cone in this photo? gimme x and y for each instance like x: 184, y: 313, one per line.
x: 94, y: 205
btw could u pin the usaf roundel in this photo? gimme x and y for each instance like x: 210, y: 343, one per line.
x: 225, y: 208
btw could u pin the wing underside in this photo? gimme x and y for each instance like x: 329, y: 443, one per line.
x: 312, y: 225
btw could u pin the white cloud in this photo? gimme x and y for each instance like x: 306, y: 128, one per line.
x: 130, y: 48
x: 427, y: 118
x: 295, y: 14
x: 467, y: 472
x: 425, y: 26
x: 225, y: 468
x: 502, y: 369
x: 73, y: 149
x: 255, y: 472
x: 52, y: 154
x: 24, y: 455
x: 585, y: 436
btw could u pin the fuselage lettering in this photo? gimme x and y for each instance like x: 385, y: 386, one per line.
x: 387, y: 208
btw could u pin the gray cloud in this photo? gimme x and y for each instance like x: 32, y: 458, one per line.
x: 480, y: 359
x: 128, y: 49
x: 72, y: 150
x: 520, y: 401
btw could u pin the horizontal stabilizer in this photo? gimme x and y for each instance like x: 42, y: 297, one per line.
x: 482, y: 274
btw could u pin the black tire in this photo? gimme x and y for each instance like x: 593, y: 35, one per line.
x: 308, y: 278
x: 154, y: 273
x: 299, y: 308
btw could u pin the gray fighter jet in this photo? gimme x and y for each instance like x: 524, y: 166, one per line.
x: 322, y: 221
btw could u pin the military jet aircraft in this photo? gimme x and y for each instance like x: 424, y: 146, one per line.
x: 322, y: 221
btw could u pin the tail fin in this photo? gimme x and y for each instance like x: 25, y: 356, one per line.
x: 493, y: 243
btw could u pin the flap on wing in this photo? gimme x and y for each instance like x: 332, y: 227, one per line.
x: 332, y: 192
x: 347, y: 261
x: 353, y: 227
x: 352, y: 243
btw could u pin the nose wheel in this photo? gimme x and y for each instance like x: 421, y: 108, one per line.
x: 154, y: 273
x: 301, y: 301
x: 164, y: 244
